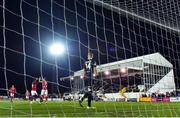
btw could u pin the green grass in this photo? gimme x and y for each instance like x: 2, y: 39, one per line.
x: 103, y: 109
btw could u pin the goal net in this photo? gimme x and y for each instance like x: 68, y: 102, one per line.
x: 135, y: 44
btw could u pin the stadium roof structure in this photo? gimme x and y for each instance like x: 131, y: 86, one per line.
x: 157, y: 72
x: 133, y: 63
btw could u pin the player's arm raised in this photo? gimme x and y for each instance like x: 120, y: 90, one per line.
x: 95, y: 73
x: 40, y: 80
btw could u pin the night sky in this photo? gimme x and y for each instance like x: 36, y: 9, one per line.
x: 79, y: 25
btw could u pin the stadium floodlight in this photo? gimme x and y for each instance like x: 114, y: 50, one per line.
x: 81, y: 77
x: 107, y: 72
x: 57, y: 49
x: 123, y: 70
x: 72, y: 78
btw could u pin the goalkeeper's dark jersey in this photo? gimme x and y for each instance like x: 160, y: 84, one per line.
x: 89, y: 71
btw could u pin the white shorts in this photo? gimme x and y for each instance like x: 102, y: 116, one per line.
x: 11, y: 94
x: 44, y: 92
x: 33, y: 93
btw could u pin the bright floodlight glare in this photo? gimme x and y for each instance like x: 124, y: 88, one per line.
x: 81, y: 77
x: 106, y: 72
x: 57, y: 49
x: 72, y: 78
x: 123, y: 70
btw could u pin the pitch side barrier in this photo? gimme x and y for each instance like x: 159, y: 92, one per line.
x: 164, y: 99
x: 150, y: 99
x: 136, y: 98
x: 153, y: 99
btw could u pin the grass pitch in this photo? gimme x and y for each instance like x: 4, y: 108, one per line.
x: 103, y: 109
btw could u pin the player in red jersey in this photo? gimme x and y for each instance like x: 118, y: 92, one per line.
x: 44, y: 90
x: 12, y: 91
x: 27, y: 94
x: 34, y: 90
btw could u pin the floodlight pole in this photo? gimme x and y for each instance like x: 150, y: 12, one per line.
x: 54, y: 76
x: 56, y: 49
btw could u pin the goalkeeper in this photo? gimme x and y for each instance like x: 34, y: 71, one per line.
x: 89, y: 74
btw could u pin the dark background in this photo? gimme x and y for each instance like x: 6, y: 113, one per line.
x: 79, y: 25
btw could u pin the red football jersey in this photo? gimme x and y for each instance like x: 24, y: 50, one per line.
x: 44, y: 85
x: 34, y: 87
x: 12, y: 90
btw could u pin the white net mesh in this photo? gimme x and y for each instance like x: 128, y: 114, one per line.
x: 136, y: 46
